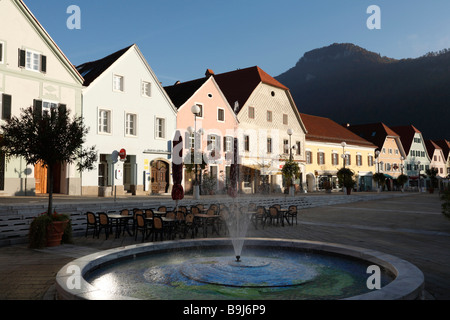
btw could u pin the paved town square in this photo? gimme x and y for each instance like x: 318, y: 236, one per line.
x: 407, y: 225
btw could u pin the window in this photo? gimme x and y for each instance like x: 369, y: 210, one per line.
x: 33, y: 61
x: 251, y: 112
x: 246, y: 143
x: 370, y: 161
x: 308, y: 157
x: 228, y: 144
x: 390, y: 151
x: 118, y: 83
x: 191, y: 141
x: 146, y: 89
x: 104, y: 121
x: 285, y: 119
x: 220, y: 114
x: 348, y: 160
x: 396, y: 151
x: 320, y: 158
x: 285, y: 146
x: 335, y: 159
x: 435, y: 158
x: 269, y: 116
x: 213, y: 142
x: 47, y: 106
x: 160, y: 128
x: 269, y: 145
x: 359, y: 160
x: 422, y: 153
x: 130, y: 124
x: 388, y: 167
x: 200, y: 114
x: 299, y: 148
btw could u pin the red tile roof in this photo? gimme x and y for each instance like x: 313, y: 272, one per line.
x: 238, y: 85
x: 445, y: 146
x: 406, y: 135
x: 326, y: 130
x: 431, y: 146
x: 373, y: 132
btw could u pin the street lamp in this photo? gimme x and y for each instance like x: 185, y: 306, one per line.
x: 418, y: 175
x: 291, y: 188
x: 343, y: 144
x: 290, y: 132
x: 402, y: 166
x: 195, y: 109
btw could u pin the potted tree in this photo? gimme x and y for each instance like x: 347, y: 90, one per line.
x: 345, y: 177
x: 432, y: 174
x: 380, y: 179
x: 49, y: 138
x: 290, y: 171
x: 401, y: 180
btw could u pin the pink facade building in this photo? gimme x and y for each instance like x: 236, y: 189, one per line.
x: 214, y: 128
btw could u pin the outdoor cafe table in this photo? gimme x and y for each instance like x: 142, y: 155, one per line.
x: 282, y: 213
x: 119, y: 221
x: 205, y: 217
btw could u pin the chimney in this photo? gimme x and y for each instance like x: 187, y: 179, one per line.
x: 178, y: 82
x: 209, y: 73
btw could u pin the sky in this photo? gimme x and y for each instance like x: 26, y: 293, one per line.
x: 182, y: 38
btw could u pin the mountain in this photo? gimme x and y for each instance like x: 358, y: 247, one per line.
x: 349, y: 84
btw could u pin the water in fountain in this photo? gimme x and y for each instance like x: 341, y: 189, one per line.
x: 237, y: 221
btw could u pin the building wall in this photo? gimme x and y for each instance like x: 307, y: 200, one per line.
x: 141, y: 148
x: 276, y: 100
x: 438, y: 162
x: 58, y: 84
x: 316, y: 172
x: 390, y: 155
x: 211, y: 98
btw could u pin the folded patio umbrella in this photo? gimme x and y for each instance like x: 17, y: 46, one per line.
x: 177, y: 168
x: 234, y: 172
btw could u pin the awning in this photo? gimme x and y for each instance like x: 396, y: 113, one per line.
x: 388, y: 176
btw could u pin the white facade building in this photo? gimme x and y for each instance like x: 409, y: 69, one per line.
x: 125, y: 107
x: 33, y: 72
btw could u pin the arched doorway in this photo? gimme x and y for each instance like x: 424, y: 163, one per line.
x: 159, y: 176
x: 311, y: 182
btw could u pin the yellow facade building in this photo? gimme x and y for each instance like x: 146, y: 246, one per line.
x: 327, y: 145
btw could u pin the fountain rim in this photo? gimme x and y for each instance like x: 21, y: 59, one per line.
x: 408, y: 283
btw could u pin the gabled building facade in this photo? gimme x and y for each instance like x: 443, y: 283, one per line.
x: 125, y: 107
x: 33, y: 72
x: 437, y: 158
x: 445, y: 146
x: 270, y: 128
x: 389, y: 155
x: 417, y: 160
x: 330, y: 147
x: 216, y: 126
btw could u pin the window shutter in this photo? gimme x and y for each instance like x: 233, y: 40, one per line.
x: 37, y: 107
x: 1, y: 51
x: 22, y: 58
x: 224, y: 144
x: 43, y: 64
x: 62, y: 108
x: 187, y: 140
x: 6, y: 106
x: 218, y: 143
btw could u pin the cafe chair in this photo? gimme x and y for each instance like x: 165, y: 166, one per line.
x: 104, y: 223
x: 91, y: 223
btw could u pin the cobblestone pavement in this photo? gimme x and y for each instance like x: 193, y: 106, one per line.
x: 410, y: 227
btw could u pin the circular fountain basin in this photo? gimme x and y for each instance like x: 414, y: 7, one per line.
x: 207, y: 269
